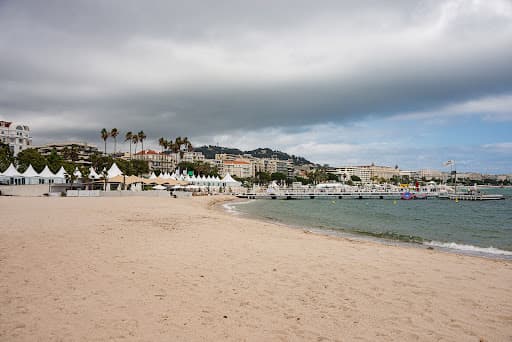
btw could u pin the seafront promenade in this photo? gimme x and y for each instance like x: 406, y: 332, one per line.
x: 182, y: 269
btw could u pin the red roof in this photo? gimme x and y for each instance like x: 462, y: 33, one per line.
x: 236, y: 162
x: 146, y: 152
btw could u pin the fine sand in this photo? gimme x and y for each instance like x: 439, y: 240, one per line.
x: 163, y: 269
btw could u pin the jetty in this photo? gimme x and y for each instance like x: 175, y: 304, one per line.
x: 302, y: 195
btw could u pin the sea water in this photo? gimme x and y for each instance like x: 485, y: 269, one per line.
x: 475, y: 227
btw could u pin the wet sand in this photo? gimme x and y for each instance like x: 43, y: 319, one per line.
x: 162, y: 269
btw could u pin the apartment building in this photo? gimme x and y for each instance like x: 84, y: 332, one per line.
x: 77, y: 152
x: 157, y: 161
x: 365, y: 172
x: 238, y: 168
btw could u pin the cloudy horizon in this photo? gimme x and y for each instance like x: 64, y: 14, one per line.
x: 412, y: 83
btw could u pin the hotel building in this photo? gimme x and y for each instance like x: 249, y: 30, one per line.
x: 17, y: 137
x: 366, y: 173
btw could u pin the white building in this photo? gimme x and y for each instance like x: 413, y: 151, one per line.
x: 16, y: 136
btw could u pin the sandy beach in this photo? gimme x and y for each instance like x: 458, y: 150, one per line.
x: 163, y: 269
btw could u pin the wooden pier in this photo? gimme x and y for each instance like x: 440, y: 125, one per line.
x: 293, y: 195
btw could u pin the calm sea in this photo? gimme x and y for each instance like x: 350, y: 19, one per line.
x: 480, y: 227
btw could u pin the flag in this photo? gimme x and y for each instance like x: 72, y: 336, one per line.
x: 449, y: 162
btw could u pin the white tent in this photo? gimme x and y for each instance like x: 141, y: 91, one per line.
x: 77, y: 173
x: 114, y: 171
x: 30, y: 172
x: 12, y: 172
x: 47, y: 173
x: 159, y: 187
x: 166, y: 176
x: 61, y: 173
x: 229, y: 181
x: 93, y: 174
x: 153, y: 176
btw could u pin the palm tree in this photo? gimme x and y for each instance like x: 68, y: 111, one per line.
x: 114, y: 133
x: 128, y: 137
x: 188, y: 144
x: 104, y: 135
x: 162, y: 142
x: 135, y: 140
x: 142, y: 136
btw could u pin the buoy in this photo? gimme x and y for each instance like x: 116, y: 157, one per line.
x: 394, y: 202
x: 456, y: 200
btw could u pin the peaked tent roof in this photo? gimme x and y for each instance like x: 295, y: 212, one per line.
x: 93, y: 174
x: 47, y: 173
x: 114, y: 171
x: 11, y: 172
x: 229, y: 180
x: 77, y: 173
x: 61, y: 173
x: 30, y: 172
x: 153, y: 176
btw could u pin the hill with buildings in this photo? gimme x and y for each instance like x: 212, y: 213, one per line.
x: 210, y: 151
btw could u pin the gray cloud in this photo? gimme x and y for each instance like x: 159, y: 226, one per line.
x: 198, y: 69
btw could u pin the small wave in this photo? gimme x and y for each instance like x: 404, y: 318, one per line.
x: 230, y: 208
x: 390, y: 236
x: 468, y: 248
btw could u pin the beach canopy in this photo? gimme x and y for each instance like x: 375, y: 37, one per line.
x: 228, y: 180
x: 47, y: 173
x: 93, y: 174
x: 61, y: 173
x: 159, y: 187
x: 30, y: 172
x: 114, y: 171
x: 77, y: 173
x: 11, y: 172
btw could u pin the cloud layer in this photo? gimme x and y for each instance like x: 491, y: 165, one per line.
x: 203, y: 70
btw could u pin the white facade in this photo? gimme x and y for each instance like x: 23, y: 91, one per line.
x: 16, y: 136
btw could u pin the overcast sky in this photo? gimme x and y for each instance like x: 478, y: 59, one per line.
x: 412, y: 83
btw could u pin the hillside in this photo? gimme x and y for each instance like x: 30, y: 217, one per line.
x: 210, y: 152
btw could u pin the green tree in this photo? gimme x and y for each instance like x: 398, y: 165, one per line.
x: 128, y: 137
x: 263, y: 177
x: 114, y: 133
x: 54, y: 161
x: 355, y: 178
x: 30, y: 157
x: 142, y: 136
x: 104, y: 135
x: 6, y: 156
x: 135, y: 141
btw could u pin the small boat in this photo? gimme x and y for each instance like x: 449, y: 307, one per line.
x: 413, y: 195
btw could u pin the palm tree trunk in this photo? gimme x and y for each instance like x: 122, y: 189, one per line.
x: 105, y: 147
x: 115, y: 144
x: 130, y: 150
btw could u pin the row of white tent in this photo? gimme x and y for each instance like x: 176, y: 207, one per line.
x: 31, y: 176
x: 203, y: 180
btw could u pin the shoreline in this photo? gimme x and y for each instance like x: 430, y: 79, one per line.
x: 351, y: 236
x: 180, y: 269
